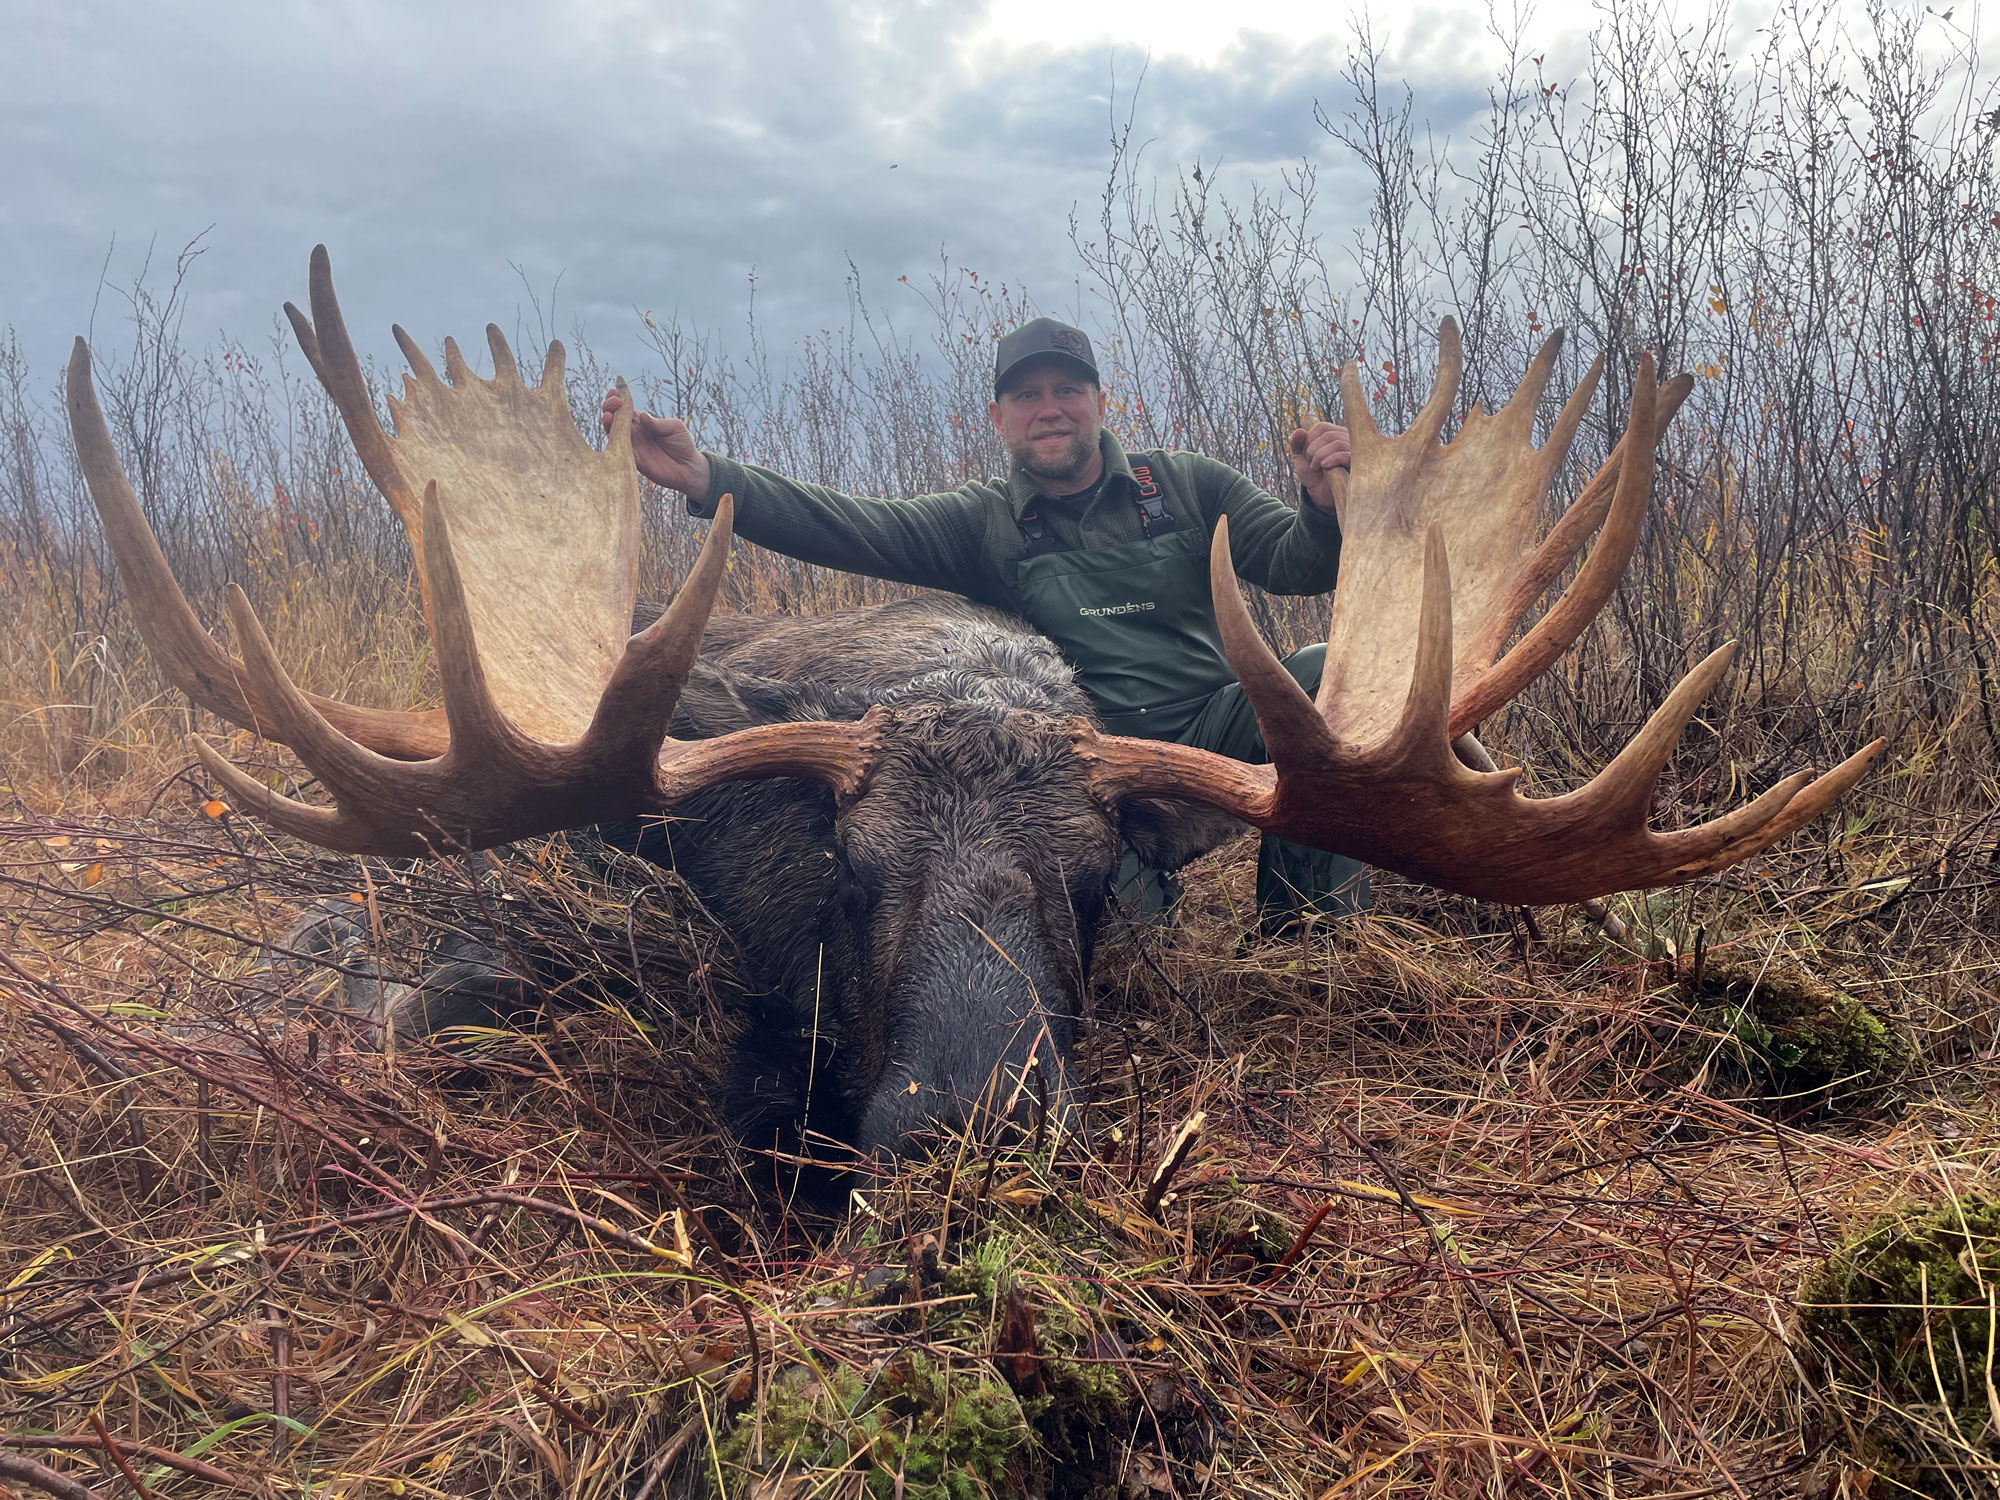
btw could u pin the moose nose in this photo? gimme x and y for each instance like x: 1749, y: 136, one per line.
x: 980, y: 1037
x: 1015, y: 1105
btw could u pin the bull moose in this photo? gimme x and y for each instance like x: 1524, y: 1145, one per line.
x: 906, y: 816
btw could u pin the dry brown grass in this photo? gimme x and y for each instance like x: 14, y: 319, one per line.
x: 1467, y: 1214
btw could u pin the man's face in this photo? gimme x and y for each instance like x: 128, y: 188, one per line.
x: 1049, y: 416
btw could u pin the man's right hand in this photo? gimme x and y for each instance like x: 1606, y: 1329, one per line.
x: 664, y: 449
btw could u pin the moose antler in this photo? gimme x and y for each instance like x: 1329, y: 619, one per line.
x: 527, y: 543
x: 184, y: 650
x: 1412, y: 661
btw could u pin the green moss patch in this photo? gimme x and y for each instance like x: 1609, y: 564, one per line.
x: 943, y: 1432
x: 983, y: 1393
x: 1802, y: 1040
x: 1901, y: 1322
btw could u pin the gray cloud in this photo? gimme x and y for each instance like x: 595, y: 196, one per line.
x: 652, y: 154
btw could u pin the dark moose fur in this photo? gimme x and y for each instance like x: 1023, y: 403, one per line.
x: 940, y: 927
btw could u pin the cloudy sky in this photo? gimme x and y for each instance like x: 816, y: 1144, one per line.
x: 651, y: 152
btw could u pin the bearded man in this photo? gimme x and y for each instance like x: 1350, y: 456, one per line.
x: 1105, y: 554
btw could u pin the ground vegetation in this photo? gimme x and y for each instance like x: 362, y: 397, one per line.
x: 1455, y: 1200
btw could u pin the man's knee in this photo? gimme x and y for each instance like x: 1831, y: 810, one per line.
x: 1293, y: 879
x: 1307, y: 666
x: 1228, y: 724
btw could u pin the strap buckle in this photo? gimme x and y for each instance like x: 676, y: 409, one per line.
x: 1036, y: 536
x: 1154, y: 517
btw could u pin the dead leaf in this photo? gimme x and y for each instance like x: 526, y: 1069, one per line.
x: 1016, y: 1353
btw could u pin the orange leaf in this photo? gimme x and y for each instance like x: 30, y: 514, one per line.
x: 94, y: 874
x: 215, y: 809
x: 356, y: 897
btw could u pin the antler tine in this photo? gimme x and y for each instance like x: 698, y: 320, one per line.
x: 185, y: 651
x: 1291, y: 724
x: 1777, y: 812
x: 1555, y: 448
x: 505, y: 371
x: 1576, y: 524
x: 456, y: 370
x: 1799, y: 808
x: 1354, y: 408
x: 419, y: 362
x: 1519, y: 412
x: 480, y: 732
x: 552, y: 374
x: 618, y: 441
x: 292, y: 720
x: 364, y: 785
x: 1514, y: 426
x: 308, y: 341
x: 1620, y: 795
x: 1429, y: 421
x: 1420, y: 740
x: 331, y: 354
x: 639, y: 701
x: 326, y: 827
x: 1571, y: 615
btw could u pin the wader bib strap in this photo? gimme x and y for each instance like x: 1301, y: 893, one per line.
x: 1154, y: 518
x: 1135, y: 619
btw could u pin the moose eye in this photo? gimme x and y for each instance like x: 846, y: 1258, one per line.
x: 1086, y: 887
x: 859, y: 879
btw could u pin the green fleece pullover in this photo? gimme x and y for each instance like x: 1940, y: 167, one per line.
x: 968, y: 540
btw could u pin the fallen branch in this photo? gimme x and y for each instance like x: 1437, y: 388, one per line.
x: 1298, y: 1245
x: 193, y: 1467
x: 1177, y: 1153
x: 118, y: 1458
x: 27, y: 1471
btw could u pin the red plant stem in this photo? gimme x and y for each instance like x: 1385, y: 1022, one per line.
x: 118, y: 1458
x: 1298, y: 1245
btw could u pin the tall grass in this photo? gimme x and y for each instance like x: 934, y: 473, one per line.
x: 1817, y: 238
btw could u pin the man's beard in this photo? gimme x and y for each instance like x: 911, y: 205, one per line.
x: 1069, y: 468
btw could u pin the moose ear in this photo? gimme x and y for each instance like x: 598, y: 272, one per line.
x: 1166, y: 835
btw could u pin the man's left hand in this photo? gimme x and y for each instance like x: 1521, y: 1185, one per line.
x: 1317, y: 450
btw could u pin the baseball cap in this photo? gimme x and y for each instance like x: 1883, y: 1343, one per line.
x: 1042, y: 336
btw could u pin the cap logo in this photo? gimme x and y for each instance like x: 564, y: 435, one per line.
x: 1071, y: 342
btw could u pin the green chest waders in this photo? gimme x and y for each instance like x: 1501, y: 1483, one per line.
x: 1137, y: 623
x: 1134, y: 619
